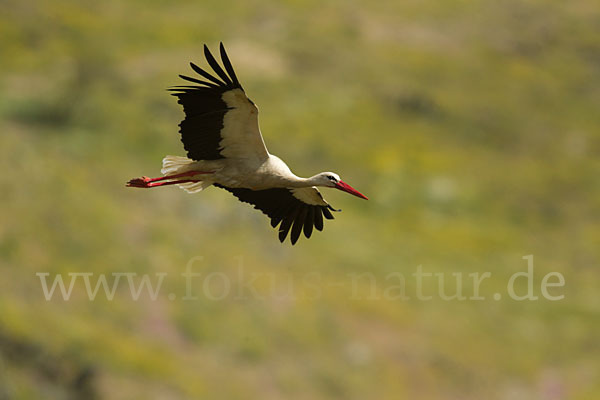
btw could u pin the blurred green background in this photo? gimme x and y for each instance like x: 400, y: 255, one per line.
x: 473, y: 126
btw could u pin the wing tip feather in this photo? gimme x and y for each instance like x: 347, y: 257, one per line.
x: 288, y: 218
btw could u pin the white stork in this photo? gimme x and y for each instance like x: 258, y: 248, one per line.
x: 225, y: 148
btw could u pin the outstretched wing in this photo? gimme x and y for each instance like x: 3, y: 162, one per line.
x: 220, y: 121
x: 296, y: 209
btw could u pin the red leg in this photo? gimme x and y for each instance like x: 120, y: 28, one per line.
x: 140, y: 183
x: 162, y: 178
x: 144, y: 180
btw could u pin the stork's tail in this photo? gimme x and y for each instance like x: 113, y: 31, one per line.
x: 172, y: 165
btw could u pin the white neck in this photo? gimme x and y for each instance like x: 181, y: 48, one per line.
x: 299, y: 182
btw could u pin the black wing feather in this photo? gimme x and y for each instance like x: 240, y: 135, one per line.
x: 326, y: 213
x: 227, y: 65
x: 308, y: 222
x: 205, y: 108
x: 215, y: 66
x: 283, y: 207
x: 298, y: 224
x: 205, y: 74
x: 281, y: 212
x: 318, y: 219
x: 194, y: 80
x: 285, y: 226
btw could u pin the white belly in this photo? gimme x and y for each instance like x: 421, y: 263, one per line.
x: 240, y: 173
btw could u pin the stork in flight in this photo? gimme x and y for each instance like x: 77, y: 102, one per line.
x: 225, y: 149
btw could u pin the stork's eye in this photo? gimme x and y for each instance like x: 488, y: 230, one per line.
x: 331, y: 177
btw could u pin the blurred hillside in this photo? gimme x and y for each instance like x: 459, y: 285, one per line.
x: 473, y: 127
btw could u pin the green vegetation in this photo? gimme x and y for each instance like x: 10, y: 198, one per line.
x: 473, y: 126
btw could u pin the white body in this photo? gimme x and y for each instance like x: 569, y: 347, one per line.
x: 250, y: 174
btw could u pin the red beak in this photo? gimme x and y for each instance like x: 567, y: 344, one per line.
x: 343, y: 186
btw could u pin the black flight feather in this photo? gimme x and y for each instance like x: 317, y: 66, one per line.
x: 215, y: 66
x: 205, y: 74
x: 228, y: 66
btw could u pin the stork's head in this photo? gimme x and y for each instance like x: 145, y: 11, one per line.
x: 331, y: 179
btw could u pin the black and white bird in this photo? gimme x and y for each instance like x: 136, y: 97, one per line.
x: 225, y: 149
